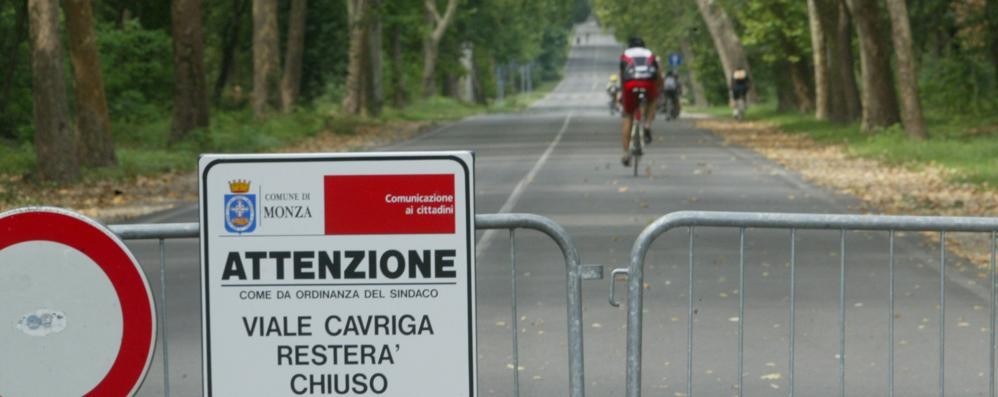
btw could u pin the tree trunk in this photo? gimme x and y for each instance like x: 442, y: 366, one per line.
x: 11, y: 53
x: 845, y: 62
x: 229, y: 44
x: 354, y: 97
x: 785, y: 100
x: 800, y: 86
x: 55, y: 140
x: 96, y: 145
x: 911, y: 115
x: 375, y: 90
x: 819, y: 27
x: 398, y: 84
x: 699, y: 93
x: 291, y: 82
x: 190, y: 95
x: 880, y: 107
x: 465, y: 90
x: 431, y: 44
x: 726, y: 41
x: 266, y: 68
x: 430, y: 52
x: 992, y: 17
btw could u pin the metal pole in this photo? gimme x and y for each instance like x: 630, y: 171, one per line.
x: 500, y: 84
x: 741, y: 310
x: 793, y: 308
x: 991, y: 341
x: 162, y: 315
x: 890, y: 373
x: 842, y: 313
x: 516, y: 326
x: 689, y: 325
x: 942, y: 314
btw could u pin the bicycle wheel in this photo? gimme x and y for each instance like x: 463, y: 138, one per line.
x: 637, y: 143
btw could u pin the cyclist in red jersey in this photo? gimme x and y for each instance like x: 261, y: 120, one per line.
x: 639, y: 68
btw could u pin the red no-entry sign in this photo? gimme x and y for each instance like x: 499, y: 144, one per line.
x: 76, y: 312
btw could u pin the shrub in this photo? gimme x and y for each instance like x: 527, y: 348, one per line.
x: 137, y: 66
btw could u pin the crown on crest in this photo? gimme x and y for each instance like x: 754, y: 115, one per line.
x: 239, y: 186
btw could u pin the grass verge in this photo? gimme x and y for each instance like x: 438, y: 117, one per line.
x: 143, y: 149
x: 967, y: 145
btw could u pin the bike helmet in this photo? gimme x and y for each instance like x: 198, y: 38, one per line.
x: 613, y: 77
x: 635, y: 42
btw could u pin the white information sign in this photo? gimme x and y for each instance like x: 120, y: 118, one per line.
x: 338, y: 274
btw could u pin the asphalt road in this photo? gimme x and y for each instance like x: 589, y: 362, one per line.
x: 560, y: 159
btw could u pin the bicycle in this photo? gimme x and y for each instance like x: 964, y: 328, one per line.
x: 637, y: 130
x: 671, y: 108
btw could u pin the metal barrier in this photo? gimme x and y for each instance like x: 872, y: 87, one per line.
x: 575, y: 272
x: 795, y: 222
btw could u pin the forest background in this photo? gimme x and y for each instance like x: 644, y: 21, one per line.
x: 119, y: 89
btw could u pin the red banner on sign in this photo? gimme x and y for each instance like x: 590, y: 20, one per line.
x: 390, y: 204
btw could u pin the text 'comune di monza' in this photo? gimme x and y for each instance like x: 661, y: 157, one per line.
x: 336, y: 265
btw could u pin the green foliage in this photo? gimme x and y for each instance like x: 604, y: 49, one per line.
x: 581, y: 11
x: 15, y: 104
x: 521, y: 32
x: 137, y: 67
x: 664, y: 25
x: 961, y: 85
x: 325, y: 60
x: 777, y: 29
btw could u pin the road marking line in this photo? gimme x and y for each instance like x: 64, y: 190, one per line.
x: 487, y: 237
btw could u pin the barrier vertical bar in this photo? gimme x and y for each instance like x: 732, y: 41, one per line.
x: 793, y: 296
x: 890, y: 326
x: 515, y: 322
x: 689, y: 328
x: 842, y: 313
x: 741, y: 310
x: 991, y: 355
x: 942, y: 313
x: 991, y: 341
x: 162, y: 311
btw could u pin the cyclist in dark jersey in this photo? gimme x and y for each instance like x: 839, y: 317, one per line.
x: 639, y: 68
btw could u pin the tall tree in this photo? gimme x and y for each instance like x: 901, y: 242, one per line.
x: 991, y: 10
x: 726, y: 41
x: 911, y: 112
x: 431, y: 43
x: 55, y: 140
x: 353, y: 100
x: 375, y: 91
x: 399, y: 95
x: 11, y: 53
x: 819, y: 32
x: 230, y: 42
x: 780, y: 26
x: 846, y: 90
x: 880, y: 107
x: 699, y: 94
x: 96, y: 145
x: 295, y: 47
x: 266, y: 64
x: 190, y: 95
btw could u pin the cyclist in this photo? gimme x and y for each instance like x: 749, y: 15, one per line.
x: 739, y: 90
x: 673, y: 89
x: 612, y: 90
x: 639, y: 68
